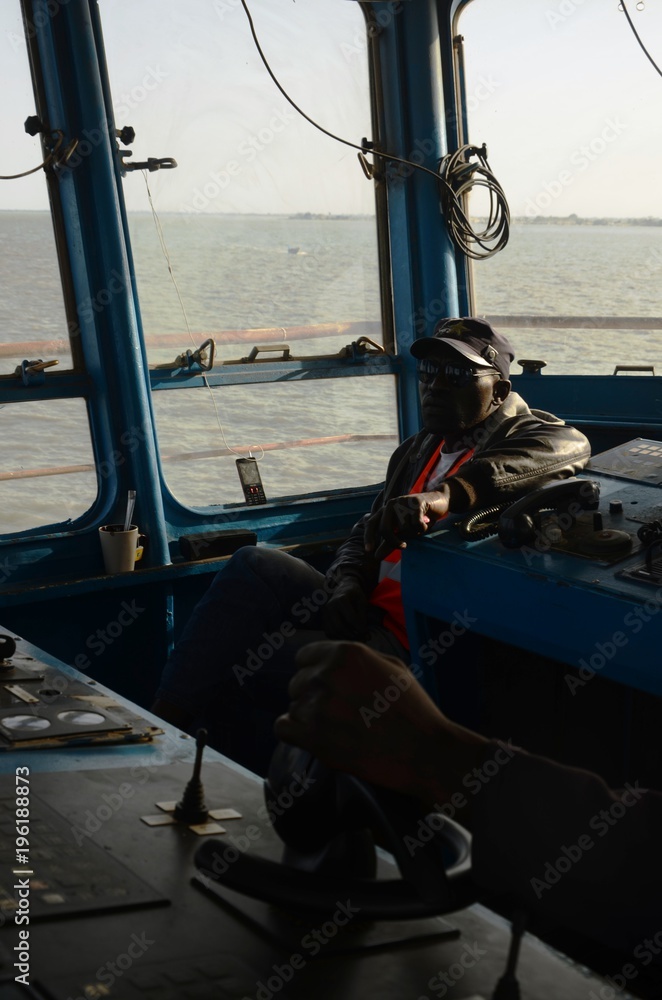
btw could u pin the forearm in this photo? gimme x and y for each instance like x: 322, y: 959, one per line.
x: 351, y: 561
x: 570, y: 847
x: 449, y: 770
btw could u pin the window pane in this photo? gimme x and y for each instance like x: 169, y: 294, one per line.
x: 242, y: 286
x: 300, y: 419
x: 47, y: 472
x: 32, y: 318
x: 268, y: 223
x: 567, y: 102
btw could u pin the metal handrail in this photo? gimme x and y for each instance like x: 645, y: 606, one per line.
x: 189, y: 456
x: 276, y: 334
x: 368, y: 328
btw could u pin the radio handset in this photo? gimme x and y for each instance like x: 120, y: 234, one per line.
x: 329, y: 850
x: 519, y: 524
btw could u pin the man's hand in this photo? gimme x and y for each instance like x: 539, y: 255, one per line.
x: 345, y: 615
x: 337, y: 712
x: 402, y: 518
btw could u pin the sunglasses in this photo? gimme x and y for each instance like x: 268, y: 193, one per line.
x: 453, y: 374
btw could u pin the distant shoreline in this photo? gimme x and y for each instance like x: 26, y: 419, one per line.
x: 516, y: 220
x: 576, y: 220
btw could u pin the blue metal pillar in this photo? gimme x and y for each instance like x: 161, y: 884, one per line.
x: 424, y: 277
x: 119, y: 401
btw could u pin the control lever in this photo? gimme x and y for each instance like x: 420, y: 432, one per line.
x: 192, y: 807
x: 329, y: 849
x: 7, y: 650
x: 508, y: 987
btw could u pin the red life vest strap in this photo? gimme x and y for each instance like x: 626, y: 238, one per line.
x: 387, y: 595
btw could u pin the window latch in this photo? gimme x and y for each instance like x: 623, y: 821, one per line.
x: 151, y: 163
x: 200, y: 360
x: 359, y: 348
x: 34, y: 372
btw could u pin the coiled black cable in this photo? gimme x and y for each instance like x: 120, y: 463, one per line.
x: 460, y: 176
x: 456, y: 177
x: 480, y: 524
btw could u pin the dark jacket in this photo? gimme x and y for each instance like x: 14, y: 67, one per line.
x: 516, y: 450
x: 572, y: 849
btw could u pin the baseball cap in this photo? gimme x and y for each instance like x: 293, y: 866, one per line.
x: 474, y: 338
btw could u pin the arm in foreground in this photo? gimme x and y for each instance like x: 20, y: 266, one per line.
x: 555, y: 836
x: 411, y: 747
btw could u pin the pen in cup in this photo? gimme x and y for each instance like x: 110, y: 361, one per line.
x: 130, y: 504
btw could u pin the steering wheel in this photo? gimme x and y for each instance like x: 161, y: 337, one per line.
x: 330, y: 822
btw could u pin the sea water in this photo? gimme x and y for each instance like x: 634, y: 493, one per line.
x: 210, y: 274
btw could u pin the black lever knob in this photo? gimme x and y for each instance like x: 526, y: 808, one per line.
x: 7, y: 647
x: 192, y: 807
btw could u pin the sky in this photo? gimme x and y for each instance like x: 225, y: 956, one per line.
x: 559, y: 90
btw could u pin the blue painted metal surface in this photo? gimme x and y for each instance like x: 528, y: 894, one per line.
x: 118, y: 400
x: 566, y: 607
x: 292, y: 370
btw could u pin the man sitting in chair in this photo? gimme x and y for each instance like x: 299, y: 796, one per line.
x: 480, y: 445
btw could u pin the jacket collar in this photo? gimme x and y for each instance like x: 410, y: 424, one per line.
x: 477, y: 438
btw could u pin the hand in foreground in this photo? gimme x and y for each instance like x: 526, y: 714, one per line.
x: 401, y: 518
x: 363, y: 712
x: 345, y: 615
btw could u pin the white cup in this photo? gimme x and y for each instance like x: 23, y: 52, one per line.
x: 121, y: 549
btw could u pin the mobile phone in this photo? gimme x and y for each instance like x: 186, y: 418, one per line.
x: 251, y: 483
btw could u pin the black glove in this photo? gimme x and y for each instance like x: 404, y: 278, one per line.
x: 345, y: 615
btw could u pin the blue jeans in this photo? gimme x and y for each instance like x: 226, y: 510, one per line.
x: 232, y: 665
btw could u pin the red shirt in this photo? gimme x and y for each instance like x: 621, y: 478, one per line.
x: 387, y: 595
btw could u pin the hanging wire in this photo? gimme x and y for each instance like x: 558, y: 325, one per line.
x: 490, y: 240
x: 52, y: 157
x: 166, y: 254
x: 622, y: 7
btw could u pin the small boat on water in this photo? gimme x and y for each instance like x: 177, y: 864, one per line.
x: 293, y: 250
